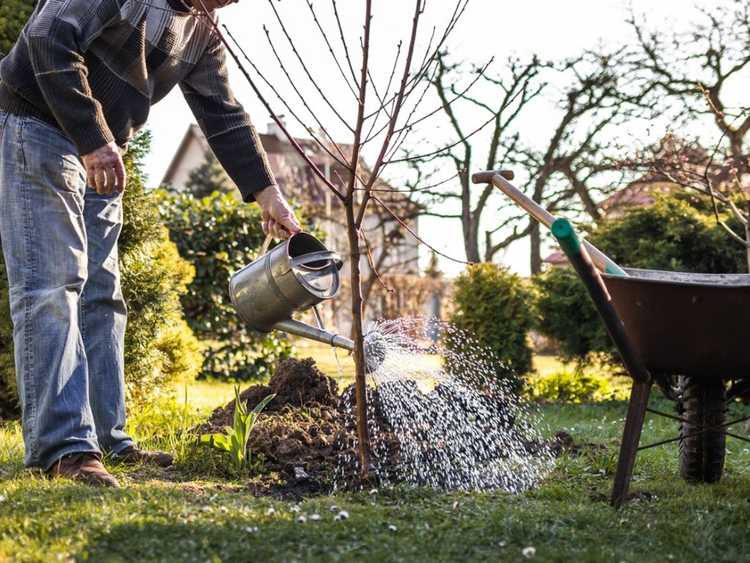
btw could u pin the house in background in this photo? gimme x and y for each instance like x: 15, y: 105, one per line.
x: 393, y: 251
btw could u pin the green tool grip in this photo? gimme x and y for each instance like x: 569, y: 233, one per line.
x: 571, y: 244
x: 575, y: 249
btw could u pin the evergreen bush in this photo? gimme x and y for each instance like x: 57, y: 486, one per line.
x: 219, y: 235
x: 672, y: 234
x: 572, y: 387
x: 494, y: 306
x: 13, y: 16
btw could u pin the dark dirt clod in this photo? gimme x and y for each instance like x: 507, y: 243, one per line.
x: 300, y: 382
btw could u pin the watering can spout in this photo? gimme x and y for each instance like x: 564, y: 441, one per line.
x: 303, y: 330
x: 374, y: 347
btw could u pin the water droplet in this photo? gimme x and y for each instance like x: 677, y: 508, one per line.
x: 343, y: 515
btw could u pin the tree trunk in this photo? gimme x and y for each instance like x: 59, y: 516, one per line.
x: 468, y: 219
x: 535, y: 237
x: 360, y: 381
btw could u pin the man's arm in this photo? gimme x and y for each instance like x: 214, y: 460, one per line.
x: 226, y: 125
x: 234, y: 140
x: 57, y: 38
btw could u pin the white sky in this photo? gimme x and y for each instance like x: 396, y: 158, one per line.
x: 553, y: 29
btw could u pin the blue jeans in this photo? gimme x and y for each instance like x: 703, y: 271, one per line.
x: 59, y: 240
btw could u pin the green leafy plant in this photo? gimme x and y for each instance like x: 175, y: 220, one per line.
x: 234, y: 439
x: 219, y: 235
x: 13, y: 16
x: 494, y: 306
x: 572, y: 387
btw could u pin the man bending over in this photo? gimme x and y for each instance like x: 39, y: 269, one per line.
x: 74, y: 89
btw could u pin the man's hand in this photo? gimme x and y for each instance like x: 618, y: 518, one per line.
x: 105, y: 169
x: 278, y: 218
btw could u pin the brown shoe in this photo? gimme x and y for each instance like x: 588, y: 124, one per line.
x: 133, y: 456
x: 84, y: 467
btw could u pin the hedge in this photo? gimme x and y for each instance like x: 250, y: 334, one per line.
x: 218, y: 235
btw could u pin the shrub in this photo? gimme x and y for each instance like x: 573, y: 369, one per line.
x: 671, y: 235
x: 566, y: 314
x: 159, y: 346
x: 13, y: 16
x: 494, y: 306
x: 219, y: 235
x: 571, y: 387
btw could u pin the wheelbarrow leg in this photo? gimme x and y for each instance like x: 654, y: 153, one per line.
x: 631, y: 437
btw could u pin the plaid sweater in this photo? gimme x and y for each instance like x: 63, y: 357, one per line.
x: 94, y: 68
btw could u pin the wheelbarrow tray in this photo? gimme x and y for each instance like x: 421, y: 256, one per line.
x: 687, y: 324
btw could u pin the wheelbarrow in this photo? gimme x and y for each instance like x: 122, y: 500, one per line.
x: 687, y: 333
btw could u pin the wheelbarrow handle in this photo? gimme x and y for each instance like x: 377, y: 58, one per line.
x: 582, y: 263
x: 499, y: 179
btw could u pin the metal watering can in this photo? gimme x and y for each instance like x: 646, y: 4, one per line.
x: 294, y: 276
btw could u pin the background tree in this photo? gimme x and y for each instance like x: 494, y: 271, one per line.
x: 691, y: 75
x: 207, y: 178
x: 572, y: 171
x: 517, y: 88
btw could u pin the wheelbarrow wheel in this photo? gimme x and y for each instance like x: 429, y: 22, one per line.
x: 703, y: 407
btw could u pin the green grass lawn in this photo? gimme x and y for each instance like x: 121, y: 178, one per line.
x: 194, y: 513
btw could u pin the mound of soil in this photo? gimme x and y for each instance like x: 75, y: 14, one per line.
x: 302, y: 431
x: 296, y: 383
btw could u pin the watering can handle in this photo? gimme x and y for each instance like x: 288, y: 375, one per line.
x: 266, y: 244
x: 327, y: 255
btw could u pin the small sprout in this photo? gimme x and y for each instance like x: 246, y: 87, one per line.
x: 301, y: 519
x: 235, y: 438
x: 528, y: 552
x: 315, y: 517
x: 343, y: 515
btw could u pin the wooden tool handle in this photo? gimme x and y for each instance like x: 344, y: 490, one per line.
x: 500, y: 180
x: 486, y: 177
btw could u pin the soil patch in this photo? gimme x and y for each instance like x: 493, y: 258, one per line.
x: 307, y: 434
x: 301, y: 433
